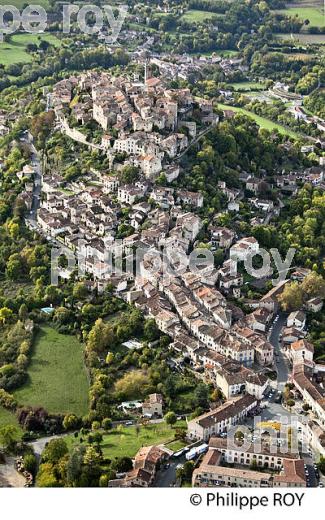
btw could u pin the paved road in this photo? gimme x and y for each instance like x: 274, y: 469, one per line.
x: 312, y: 480
x: 31, y: 217
x: 37, y: 188
x: 268, y: 218
x: 281, y: 362
x: 311, y: 477
x: 9, y: 476
x: 48, y: 102
x: 274, y: 411
x: 167, y: 477
x: 40, y: 444
x: 196, y: 140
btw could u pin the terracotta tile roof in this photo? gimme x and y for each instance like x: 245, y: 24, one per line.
x: 302, y: 344
x: 229, y: 409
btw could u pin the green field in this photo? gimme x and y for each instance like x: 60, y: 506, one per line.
x: 21, y: 3
x: 57, y: 376
x: 261, y: 121
x: 8, y: 418
x: 15, y: 51
x: 228, y: 53
x: 313, y: 14
x: 303, y: 38
x: 125, y: 442
x: 176, y: 445
x: 225, y: 53
x: 247, y: 85
x: 199, y: 16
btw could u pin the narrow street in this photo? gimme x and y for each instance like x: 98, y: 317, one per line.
x: 195, y: 140
x: 37, y: 188
x: 281, y: 362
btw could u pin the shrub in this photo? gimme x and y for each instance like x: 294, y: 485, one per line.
x: 30, y: 463
x: 7, y: 400
x: 71, y: 422
x: 107, y: 424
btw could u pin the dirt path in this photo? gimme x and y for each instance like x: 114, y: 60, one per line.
x: 9, y: 477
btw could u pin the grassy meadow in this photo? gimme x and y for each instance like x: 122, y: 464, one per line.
x: 7, y: 418
x: 263, y: 122
x: 126, y: 441
x: 247, y: 85
x: 315, y: 15
x: 15, y: 50
x: 57, y: 375
x: 20, y: 3
x: 199, y: 16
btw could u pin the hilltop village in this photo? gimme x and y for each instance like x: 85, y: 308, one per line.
x: 145, y: 129
x: 162, y: 245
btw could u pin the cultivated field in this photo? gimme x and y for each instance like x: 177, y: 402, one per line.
x: 57, y: 376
